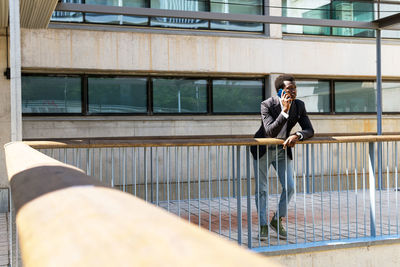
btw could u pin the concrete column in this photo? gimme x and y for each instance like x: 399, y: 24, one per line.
x: 5, y: 115
x: 275, y: 10
x: 15, y: 66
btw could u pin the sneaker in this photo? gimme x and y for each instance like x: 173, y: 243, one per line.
x: 274, y: 226
x: 263, y: 235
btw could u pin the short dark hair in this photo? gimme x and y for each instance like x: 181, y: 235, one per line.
x: 281, y: 78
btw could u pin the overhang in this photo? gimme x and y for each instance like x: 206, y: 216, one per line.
x: 34, y: 14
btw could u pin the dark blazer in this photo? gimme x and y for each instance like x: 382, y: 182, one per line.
x: 272, y: 122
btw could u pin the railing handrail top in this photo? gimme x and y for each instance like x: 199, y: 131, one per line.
x: 197, y: 141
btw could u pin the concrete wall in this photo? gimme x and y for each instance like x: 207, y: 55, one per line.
x: 384, y: 254
x: 153, y: 52
x: 53, y: 127
x: 5, y: 116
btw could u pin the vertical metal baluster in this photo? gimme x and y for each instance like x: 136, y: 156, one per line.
x: 347, y: 192
x: 339, y: 187
x: 106, y: 160
x: 168, y: 174
x: 257, y: 177
x: 233, y: 172
x: 305, y: 190
x: 88, y: 162
x: 164, y: 172
x: 209, y: 187
x: 286, y: 194
x: 120, y: 169
x: 330, y: 168
x: 199, y: 175
x: 372, y: 188
x: 177, y: 178
x: 380, y: 183
x: 229, y: 190
x: 364, y: 153
x: 249, y: 223
x: 94, y: 162
x: 356, y: 186
x: 396, y: 187
x: 188, y: 178
x: 387, y: 184
x: 145, y: 173
x: 295, y: 192
x: 267, y: 196
x: 65, y: 155
x: 112, y: 167
x: 139, y: 175
x: 100, y: 164
x: 219, y: 185
x: 124, y: 170
x: 157, y: 181
x: 151, y: 176
x: 277, y: 190
x: 313, y: 189
x: 321, y: 152
x: 134, y: 161
x: 238, y: 196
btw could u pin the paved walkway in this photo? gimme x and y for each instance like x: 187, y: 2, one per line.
x: 311, y: 217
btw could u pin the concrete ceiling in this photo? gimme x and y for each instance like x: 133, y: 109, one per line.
x: 34, y: 14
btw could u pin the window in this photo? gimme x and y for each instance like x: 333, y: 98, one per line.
x: 315, y: 95
x: 356, y: 96
x: 255, y: 7
x: 106, y: 95
x: 117, y: 95
x: 179, y: 96
x: 116, y: 19
x: 44, y: 94
x: 325, y: 9
x: 237, y: 96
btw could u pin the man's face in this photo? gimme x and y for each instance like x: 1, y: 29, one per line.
x: 290, y: 89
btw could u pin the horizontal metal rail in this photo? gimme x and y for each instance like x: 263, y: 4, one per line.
x: 66, y: 218
x: 167, y: 142
x: 152, y: 12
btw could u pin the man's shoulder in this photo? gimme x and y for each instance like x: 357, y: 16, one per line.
x: 270, y: 101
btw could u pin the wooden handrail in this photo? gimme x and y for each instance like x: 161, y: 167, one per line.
x: 69, y: 219
x: 165, y: 142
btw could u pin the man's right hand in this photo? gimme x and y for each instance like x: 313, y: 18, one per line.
x: 286, y: 102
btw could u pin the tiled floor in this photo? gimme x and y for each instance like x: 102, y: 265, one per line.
x: 311, y: 217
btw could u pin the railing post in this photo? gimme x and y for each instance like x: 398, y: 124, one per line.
x: 233, y: 172
x: 239, y: 194
x: 372, y: 188
x: 249, y: 225
x: 307, y: 169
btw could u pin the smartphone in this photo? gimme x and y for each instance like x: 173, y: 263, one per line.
x: 280, y: 93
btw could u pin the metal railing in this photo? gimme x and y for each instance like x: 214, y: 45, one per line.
x: 340, y: 191
x: 66, y: 218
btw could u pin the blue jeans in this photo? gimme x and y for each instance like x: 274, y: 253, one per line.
x: 284, y: 169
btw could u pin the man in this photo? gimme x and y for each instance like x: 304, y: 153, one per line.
x: 279, y: 114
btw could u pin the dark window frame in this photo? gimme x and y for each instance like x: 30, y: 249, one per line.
x: 149, y: 94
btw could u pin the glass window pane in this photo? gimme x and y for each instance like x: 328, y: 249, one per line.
x: 192, y: 5
x: 44, y: 94
x: 388, y: 10
x: 353, y: 11
x: 116, y: 19
x: 315, y: 95
x: 237, y: 96
x: 179, y: 96
x: 117, y: 95
x: 390, y: 96
x: 355, y: 97
x: 63, y: 16
x: 253, y: 7
x: 314, y: 9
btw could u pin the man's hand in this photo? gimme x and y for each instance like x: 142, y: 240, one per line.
x: 286, y: 102
x: 290, y: 141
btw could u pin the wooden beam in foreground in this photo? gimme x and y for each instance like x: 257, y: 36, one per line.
x: 83, y: 223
